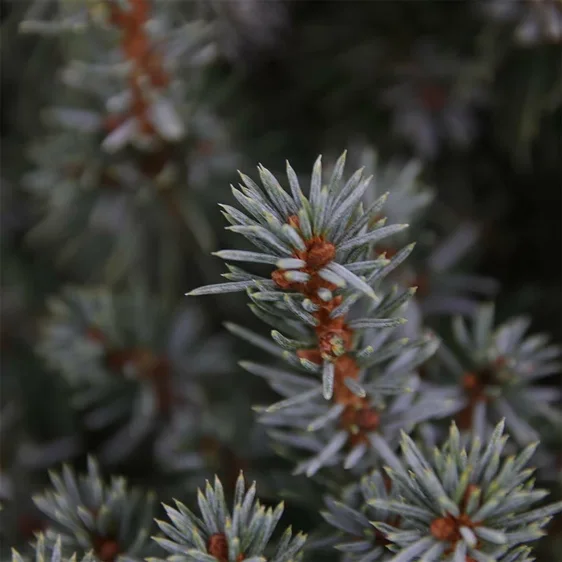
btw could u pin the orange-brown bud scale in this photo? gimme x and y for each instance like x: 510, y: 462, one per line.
x: 217, y: 546
x: 359, y: 419
x: 474, y: 385
x: 106, y: 549
x: 318, y: 254
x: 149, y: 366
x: 447, y: 529
x: 334, y: 337
x: 345, y: 367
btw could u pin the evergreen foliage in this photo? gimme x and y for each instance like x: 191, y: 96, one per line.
x: 498, y: 375
x: 295, y: 233
x: 403, y: 296
x: 465, y: 503
x: 219, y: 534
x: 129, y: 360
x: 323, y: 248
x: 454, y: 504
x: 352, y: 516
x: 115, y: 143
x: 107, y: 518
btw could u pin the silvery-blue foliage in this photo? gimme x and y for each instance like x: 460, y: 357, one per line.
x: 458, y: 503
x: 230, y: 535
x: 497, y: 372
x: 131, y: 361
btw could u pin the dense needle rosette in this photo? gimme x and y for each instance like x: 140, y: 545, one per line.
x: 130, y: 359
x: 222, y: 535
x: 463, y: 504
x: 312, y: 241
x: 108, y: 519
x: 497, y: 372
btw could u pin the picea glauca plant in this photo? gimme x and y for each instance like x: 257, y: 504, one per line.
x: 332, y: 312
x: 132, y: 363
x: 387, y: 371
x: 497, y: 371
x: 119, y: 154
x: 452, y: 503
x: 352, y: 390
x: 228, y: 536
x: 88, y: 514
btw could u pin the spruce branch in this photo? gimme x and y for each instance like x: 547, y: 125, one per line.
x: 383, y: 399
x: 498, y: 373
x: 461, y: 504
x: 312, y: 242
x: 109, y: 177
x: 143, y: 49
x: 108, y: 519
x: 222, y: 535
x: 333, y: 315
x: 130, y: 360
